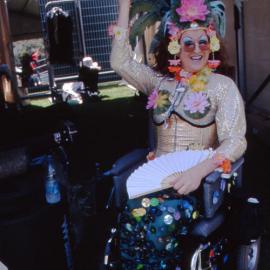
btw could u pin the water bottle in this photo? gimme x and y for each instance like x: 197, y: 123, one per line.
x: 52, y: 189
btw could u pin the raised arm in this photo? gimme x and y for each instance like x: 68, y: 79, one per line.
x: 139, y: 75
x: 123, y: 16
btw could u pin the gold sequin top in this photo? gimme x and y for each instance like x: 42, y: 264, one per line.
x: 222, y: 128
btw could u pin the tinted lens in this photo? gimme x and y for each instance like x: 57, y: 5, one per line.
x: 189, y: 45
x: 204, y: 44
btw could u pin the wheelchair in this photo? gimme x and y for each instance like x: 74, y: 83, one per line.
x: 225, y: 236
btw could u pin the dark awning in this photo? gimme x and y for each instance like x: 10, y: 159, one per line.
x: 25, y: 7
x: 24, y: 19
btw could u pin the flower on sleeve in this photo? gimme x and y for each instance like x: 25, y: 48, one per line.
x: 117, y: 32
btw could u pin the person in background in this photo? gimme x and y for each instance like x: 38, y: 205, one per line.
x: 27, y: 71
x: 35, y: 77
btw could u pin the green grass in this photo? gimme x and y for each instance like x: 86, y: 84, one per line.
x: 41, y: 102
x: 110, y: 92
x: 107, y: 92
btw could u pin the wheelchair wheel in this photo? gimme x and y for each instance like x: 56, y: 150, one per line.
x: 248, y: 256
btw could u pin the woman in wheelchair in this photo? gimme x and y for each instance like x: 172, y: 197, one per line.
x: 194, y: 108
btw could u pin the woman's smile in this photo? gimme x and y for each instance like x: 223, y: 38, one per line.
x: 194, y: 50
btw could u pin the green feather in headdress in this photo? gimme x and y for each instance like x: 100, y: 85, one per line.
x: 150, y: 11
x: 140, y: 25
x: 218, y: 12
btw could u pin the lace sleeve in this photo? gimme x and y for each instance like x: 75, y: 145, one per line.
x: 141, y: 76
x: 231, y: 122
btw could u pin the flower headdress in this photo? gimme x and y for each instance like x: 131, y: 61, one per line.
x: 176, y: 16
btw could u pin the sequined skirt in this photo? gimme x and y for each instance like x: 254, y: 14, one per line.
x: 151, y: 228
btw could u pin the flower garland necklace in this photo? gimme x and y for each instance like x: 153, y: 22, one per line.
x: 195, y: 81
x: 196, y: 103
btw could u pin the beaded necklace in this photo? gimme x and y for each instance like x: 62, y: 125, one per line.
x: 195, y: 81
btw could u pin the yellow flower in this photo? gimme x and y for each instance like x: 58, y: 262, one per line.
x: 206, y: 71
x: 192, y: 79
x: 162, y: 100
x: 214, y: 44
x: 198, y: 81
x: 118, y: 33
x: 198, y: 86
x: 174, y: 47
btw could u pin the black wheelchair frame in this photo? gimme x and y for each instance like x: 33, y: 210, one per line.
x: 218, y: 228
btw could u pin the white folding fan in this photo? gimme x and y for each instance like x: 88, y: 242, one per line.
x: 156, y: 174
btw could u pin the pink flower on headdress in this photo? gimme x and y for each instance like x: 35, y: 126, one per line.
x: 196, y: 102
x: 192, y: 10
x: 174, y: 30
x: 211, y: 31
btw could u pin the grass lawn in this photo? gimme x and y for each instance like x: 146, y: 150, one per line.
x: 108, y: 92
x: 115, y: 91
x: 41, y: 102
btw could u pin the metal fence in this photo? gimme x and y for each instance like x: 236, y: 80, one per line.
x: 90, y: 22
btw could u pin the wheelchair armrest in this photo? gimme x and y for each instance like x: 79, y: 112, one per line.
x: 214, y: 186
x: 215, y: 175
x: 127, y: 161
x: 120, y: 171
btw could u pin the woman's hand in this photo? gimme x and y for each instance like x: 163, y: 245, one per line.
x: 124, y: 2
x: 191, y: 179
x: 188, y: 181
x: 123, y: 18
